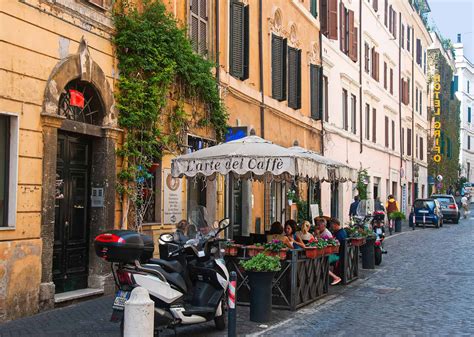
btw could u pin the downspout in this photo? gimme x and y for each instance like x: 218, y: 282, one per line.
x: 360, y: 74
x: 260, y: 61
x: 321, y: 91
x: 400, y: 99
x: 217, y: 44
x: 413, y: 119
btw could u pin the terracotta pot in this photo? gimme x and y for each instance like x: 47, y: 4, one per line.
x: 232, y: 250
x: 314, y: 252
x: 253, y: 250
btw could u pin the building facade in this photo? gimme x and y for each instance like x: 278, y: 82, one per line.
x: 463, y: 79
x: 375, y: 83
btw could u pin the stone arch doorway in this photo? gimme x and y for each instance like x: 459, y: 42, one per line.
x: 79, y: 136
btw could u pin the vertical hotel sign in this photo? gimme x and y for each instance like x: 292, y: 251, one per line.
x: 437, y: 118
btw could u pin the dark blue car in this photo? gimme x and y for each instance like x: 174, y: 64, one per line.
x: 426, y: 211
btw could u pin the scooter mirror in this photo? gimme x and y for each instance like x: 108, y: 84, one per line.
x: 224, y: 223
x: 166, y: 238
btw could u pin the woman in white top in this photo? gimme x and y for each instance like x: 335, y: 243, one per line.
x: 304, y: 233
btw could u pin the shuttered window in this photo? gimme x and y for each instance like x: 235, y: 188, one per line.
x: 314, y: 8
x: 332, y: 19
x: 409, y: 142
x: 408, y: 38
x: 394, y: 24
x: 367, y: 122
x: 385, y: 21
x: 278, y: 68
x: 316, y: 91
x: 353, y: 114
x: 355, y: 38
x: 239, y: 40
x: 375, y: 64
x: 393, y: 135
x: 385, y: 75
x: 422, y: 149
x: 344, y: 110
x: 325, y: 99
x: 386, y: 132
x: 418, y: 51
x: 367, y: 58
x: 416, y: 99
x: 402, y: 145
x: 402, y: 36
x: 391, y: 81
x: 421, y: 102
x: 324, y: 17
x: 374, y: 125
x: 343, y: 28
x: 198, y: 26
x: 294, y: 78
x: 375, y: 5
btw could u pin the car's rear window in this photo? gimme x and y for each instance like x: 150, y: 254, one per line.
x: 428, y: 204
x: 445, y: 200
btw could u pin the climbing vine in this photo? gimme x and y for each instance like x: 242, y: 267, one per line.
x: 159, y: 75
x: 362, y: 183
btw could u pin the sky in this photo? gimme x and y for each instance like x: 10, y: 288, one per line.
x: 453, y: 17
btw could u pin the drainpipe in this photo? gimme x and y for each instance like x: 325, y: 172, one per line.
x: 360, y: 74
x: 400, y: 98
x: 217, y: 44
x: 413, y: 119
x: 260, y: 60
x: 321, y: 115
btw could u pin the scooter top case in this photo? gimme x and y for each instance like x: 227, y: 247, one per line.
x: 122, y: 246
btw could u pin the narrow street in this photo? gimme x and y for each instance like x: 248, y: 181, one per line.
x: 424, y: 286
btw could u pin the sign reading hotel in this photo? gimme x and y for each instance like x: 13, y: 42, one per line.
x: 173, y: 198
x: 437, y: 118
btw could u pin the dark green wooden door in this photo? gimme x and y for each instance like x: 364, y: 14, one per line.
x: 71, y: 227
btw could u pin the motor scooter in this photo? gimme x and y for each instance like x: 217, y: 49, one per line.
x: 188, y: 287
x: 379, y: 230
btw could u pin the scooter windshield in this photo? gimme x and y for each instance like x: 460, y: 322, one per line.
x: 200, y: 224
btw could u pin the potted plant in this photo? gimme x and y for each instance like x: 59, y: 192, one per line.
x: 368, y: 249
x: 231, y: 248
x: 315, y: 248
x: 254, y: 249
x: 275, y: 248
x: 290, y: 196
x: 357, y: 239
x: 398, y: 217
x: 333, y: 246
x: 260, y: 270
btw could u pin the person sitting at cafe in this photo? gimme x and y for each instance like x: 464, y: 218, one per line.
x: 180, y: 235
x: 276, y: 233
x: 304, y: 233
x: 290, y: 231
x: 321, y: 230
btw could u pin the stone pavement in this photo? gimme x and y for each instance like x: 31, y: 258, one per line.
x: 423, y: 287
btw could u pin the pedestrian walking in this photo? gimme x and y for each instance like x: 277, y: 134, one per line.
x: 391, y: 207
x: 465, y: 206
x: 354, y: 205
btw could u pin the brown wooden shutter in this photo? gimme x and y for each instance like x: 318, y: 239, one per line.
x: 402, y: 145
x: 418, y: 51
x: 421, y: 149
x: 402, y: 36
x: 391, y: 81
x: 375, y: 5
x: 374, y: 125
x: 352, y: 52
x: 367, y: 58
x: 390, y: 19
x: 278, y: 68
x: 356, y: 45
x: 408, y: 91
x: 385, y: 75
x: 394, y: 33
x: 198, y: 26
x: 373, y: 69
x: 386, y: 13
x: 377, y: 66
x: 315, y: 83
x: 294, y: 78
x: 332, y: 19
x: 342, y: 30
x: 409, y: 142
x: 386, y: 132
x: 324, y: 17
x: 237, y: 39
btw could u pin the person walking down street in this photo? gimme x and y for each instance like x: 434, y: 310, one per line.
x: 391, y: 207
x: 465, y: 206
x: 354, y: 205
x: 450, y: 190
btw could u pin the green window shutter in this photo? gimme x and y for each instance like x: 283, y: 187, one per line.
x: 237, y: 39
x: 294, y: 78
x: 278, y: 68
x: 316, y: 91
x: 314, y: 8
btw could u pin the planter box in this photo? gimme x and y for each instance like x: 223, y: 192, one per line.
x: 232, y: 250
x: 281, y: 254
x: 253, y: 250
x: 314, y: 252
x: 358, y: 241
x: 332, y: 249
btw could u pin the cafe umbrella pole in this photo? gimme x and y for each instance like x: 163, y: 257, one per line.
x: 232, y: 319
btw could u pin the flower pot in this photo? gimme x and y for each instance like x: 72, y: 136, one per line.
x: 260, y: 296
x: 334, y: 249
x: 368, y: 254
x: 232, y: 250
x: 398, y: 225
x: 311, y: 252
x: 357, y: 241
x: 280, y: 254
x: 253, y: 250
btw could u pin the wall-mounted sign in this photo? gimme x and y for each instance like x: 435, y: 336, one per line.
x: 173, y: 198
x: 437, y: 118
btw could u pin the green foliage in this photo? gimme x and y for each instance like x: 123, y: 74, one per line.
x: 274, y: 246
x: 262, y: 263
x: 303, y: 211
x: 397, y: 216
x: 362, y: 180
x: 291, y: 194
x: 156, y: 63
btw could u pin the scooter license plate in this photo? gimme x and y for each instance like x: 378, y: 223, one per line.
x: 120, y: 298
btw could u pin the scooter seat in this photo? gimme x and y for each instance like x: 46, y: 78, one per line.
x: 174, y: 278
x: 168, y: 265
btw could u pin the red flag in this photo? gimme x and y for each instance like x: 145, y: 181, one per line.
x: 76, y: 98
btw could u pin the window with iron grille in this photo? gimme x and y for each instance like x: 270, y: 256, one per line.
x: 294, y: 78
x: 198, y: 25
x: 279, y: 50
x: 239, y: 40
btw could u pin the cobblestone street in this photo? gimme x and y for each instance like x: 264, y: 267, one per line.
x: 424, y: 286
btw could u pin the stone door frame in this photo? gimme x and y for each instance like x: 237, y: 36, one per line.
x: 78, y: 66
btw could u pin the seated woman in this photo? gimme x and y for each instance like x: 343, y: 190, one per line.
x: 290, y: 231
x: 304, y: 233
x: 276, y: 233
x: 323, y: 233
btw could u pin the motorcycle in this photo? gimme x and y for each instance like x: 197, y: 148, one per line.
x: 188, y: 287
x: 379, y: 230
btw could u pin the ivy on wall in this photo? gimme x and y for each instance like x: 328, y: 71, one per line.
x: 362, y: 183
x: 159, y: 73
x: 450, y: 123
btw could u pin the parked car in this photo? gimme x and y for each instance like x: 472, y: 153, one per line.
x: 468, y: 189
x: 449, y: 208
x: 426, y: 211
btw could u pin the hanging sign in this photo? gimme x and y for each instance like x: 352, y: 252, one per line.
x: 437, y: 118
x: 173, y: 198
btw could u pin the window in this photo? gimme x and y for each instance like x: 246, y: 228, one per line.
x: 386, y: 132
x: 408, y: 91
x: 316, y: 89
x: 418, y: 51
x: 393, y: 135
x: 375, y: 5
x: 294, y: 78
x: 402, y: 145
x: 100, y: 3
x: 385, y: 21
x: 468, y: 142
x: 393, y: 22
x: 367, y: 58
x: 402, y: 36
x: 239, y: 40
x: 408, y: 38
x: 198, y: 26
x: 353, y: 114
x: 374, y: 125
x: 375, y: 64
x: 329, y: 18
x: 468, y: 171
x: 314, y: 8
x: 469, y: 114
x: 344, y: 110
x: 278, y: 67
x: 385, y: 75
x: 325, y: 98
x: 467, y: 86
x: 408, y: 142
x: 422, y: 150
x: 416, y: 99
x: 404, y: 92
x: 367, y: 121
x: 424, y: 62
x: 391, y: 81
x: 347, y: 32
x: 8, y: 169
x: 416, y: 146
x: 421, y: 102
